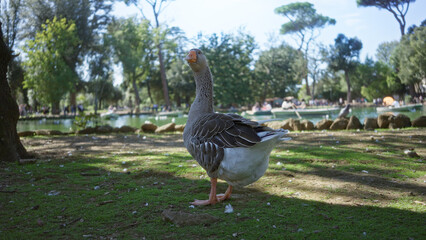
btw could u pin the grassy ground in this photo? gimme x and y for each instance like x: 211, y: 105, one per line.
x: 319, y: 185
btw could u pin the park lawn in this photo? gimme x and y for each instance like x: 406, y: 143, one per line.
x: 319, y: 185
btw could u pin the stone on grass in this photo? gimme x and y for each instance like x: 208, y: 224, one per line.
x: 88, y: 130
x: 295, y: 124
x: 354, y: 123
x: 26, y: 133
x: 104, y: 129
x: 181, y: 219
x: 170, y: 127
x: 370, y: 123
x: 339, y: 124
x: 126, y: 129
x: 324, y: 124
x: 400, y: 121
x: 307, y: 125
x: 48, y: 132
x: 275, y: 124
x: 149, y: 127
x: 384, y: 119
x: 180, y: 127
x: 419, y: 122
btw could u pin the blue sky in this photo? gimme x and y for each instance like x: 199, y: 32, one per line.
x: 371, y: 25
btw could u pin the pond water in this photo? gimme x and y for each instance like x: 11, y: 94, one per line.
x: 137, y: 121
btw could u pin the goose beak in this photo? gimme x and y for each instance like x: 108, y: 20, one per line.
x: 192, y: 57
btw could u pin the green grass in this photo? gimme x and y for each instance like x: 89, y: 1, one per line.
x: 122, y: 195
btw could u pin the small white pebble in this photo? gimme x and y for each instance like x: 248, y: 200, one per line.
x: 268, y: 203
x: 125, y: 170
x: 194, y: 165
x: 144, y: 137
x: 123, y: 162
x: 274, y: 226
x: 279, y: 163
x: 180, y: 166
x: 191, y: 206
x: 337, y: 141
x: 300, y: 230
x: 364, y: 171
x: 96, y: 187
x: 235, y: 234
x: 61, y: 165
x: 229, y: 209
x: 146, y: 204
x: 290, y: 180
x: 134, y: 212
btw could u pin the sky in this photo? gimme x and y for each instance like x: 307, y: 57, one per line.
x: 369, y: 24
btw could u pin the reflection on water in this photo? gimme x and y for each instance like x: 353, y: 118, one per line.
x: 137, y: 121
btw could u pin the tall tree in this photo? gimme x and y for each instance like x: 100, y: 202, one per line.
x: 344, y: 56
x: 10, y: 16
x: 100, y: 65
x: 398, y: 8
x: 157, y: 7
x: 277, y: 72
x: 47, y: 71
x: 132, y: 41
x: 410, y: 61
x: 384, y: 51
x: 372, y: 76
x: 230, y: 57
x: 89, y: 16
x: 305, y: 23
x: 11, y: 148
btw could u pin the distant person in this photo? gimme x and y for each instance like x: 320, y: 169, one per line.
x: 266, y: 106
x: 256, y: 107
x: 80, y: 108
x: 155, y: 108
x: 66, y: 110
x: 73, y: 110
x: 287, y: 105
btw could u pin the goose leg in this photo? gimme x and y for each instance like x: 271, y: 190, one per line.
x: 227, y: 195
x: 212, y: 197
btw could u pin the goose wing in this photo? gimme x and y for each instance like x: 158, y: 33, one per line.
x: 213, y: 132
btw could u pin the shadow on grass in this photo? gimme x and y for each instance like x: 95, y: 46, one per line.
x: 91, y: 197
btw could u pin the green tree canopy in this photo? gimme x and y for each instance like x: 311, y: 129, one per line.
x: 344, y: 56
x: 409, y: 59
x: 132, y: 44
x: 277, y: 72
x: 372, y: 76
x: 398, y: 8
x: 305, y: 23
x: 47, y: 72
x: 384, y: 51
x: 229, y: 58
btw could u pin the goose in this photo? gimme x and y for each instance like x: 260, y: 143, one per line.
x: 345, y: 111
x: 227, y: 146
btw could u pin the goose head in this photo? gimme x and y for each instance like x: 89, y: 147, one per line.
x: 196, y: 60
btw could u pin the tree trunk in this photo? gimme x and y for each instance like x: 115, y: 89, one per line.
x: 137, y: 99
x: 55, y: 108
x: 73, y: 97
x: 163, y: 77
x: 313, y: 88
x: 348, y: 96
x: 308, y: 91
x: 148, y: 88
x: 412, y: 90
x: 11, y: 148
